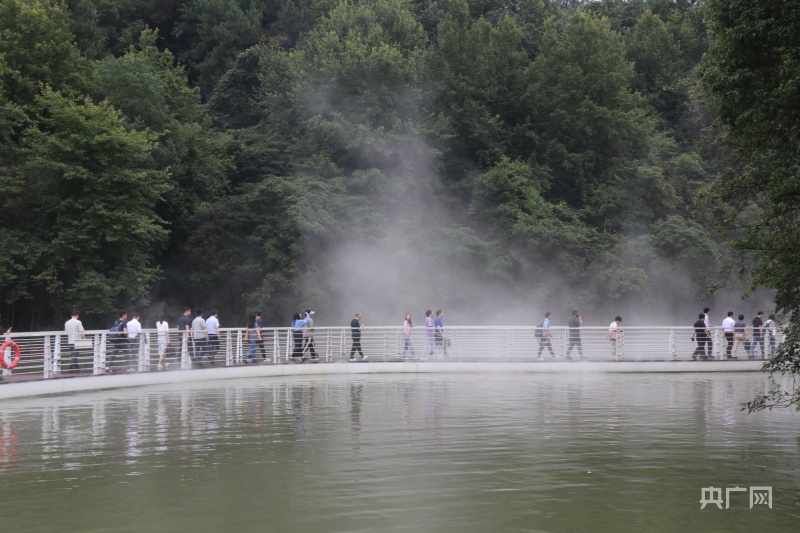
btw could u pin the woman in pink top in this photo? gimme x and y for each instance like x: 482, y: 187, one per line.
x: 407, y: 325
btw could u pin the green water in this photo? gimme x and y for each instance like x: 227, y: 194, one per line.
x: 495, y: 452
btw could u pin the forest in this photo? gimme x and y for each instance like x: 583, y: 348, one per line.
x: 380, y: 156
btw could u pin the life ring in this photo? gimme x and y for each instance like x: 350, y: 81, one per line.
x: 14, y: 362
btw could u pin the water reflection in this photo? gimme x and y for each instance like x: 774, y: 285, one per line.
x: 433, y: 453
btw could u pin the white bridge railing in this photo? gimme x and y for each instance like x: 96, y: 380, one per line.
x: 49, y: 354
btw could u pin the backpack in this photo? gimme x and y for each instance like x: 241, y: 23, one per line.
x: 115, y: 331
x: 539, y: 333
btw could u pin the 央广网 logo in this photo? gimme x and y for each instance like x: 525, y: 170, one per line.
x: 713, y: 496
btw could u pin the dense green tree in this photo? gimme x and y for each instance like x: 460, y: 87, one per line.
x: 588, y: 122
x: 83, y: 209
x: 290, y: 148
x: 751, y: 75
x: 483, y: 71
x: 658, y: 63
x: 38, y: 49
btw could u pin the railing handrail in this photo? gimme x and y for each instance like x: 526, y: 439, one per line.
x: 22, y: 334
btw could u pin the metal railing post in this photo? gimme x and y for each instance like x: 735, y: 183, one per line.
x: 230, y: 355
x: 328, y: 346
x: 57, y: 356
x: 186, y: 362
x: 99, y: 354
x: 275, y: 347
x: 673, y: 349
x: 47, y: 364
x: 144, y: 351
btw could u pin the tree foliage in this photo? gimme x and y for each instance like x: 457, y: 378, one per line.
x: 751, y: 75
x: 249, y: 154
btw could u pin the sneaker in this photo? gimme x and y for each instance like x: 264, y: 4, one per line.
x: 166, y: 366
x: 130, y: 370
x: 363, y: 357
x: 161, y: 367
x: 694, y: 358
x: 352, y: 359
x: 538, y: 357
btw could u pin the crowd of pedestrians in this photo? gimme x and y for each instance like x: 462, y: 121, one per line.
x: 202, y: 338
x: 757, y: 339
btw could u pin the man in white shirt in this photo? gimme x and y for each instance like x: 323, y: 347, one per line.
x: 613, y: 336
x: 74, y: 329
x: 163, y: 341
x: 707, y: 322
x: 212, y: 328
x: 134, y: 327
x: 727, y: 328
x: 199, y: 336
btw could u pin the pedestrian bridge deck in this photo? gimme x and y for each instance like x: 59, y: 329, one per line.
x: 99, y: 363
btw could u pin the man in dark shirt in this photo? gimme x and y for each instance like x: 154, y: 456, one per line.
x: 575, y: 322
x: 184, y: 326
x: 259, y: 337
x: 355, y: 330
x: 701, y: 336
x: 116, y: 340
x: 758, y: 334
x: 740, y: 337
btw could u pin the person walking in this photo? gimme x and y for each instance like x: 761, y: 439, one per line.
x: 75, y: 332
x: 430, y: 345
x: 308, y: 337
x: 575, y: 322
x: 297, y: 336
x: 438, y: 334
x: 134, y: 328
x: 613, y: 336
x: 185, y: 329
x: 251, y: 336
x: 117, y: 342
x: 727, y: 329
x: 408, y: 323
x: 355, y: 331
x: 259, y: 336
x: 544, y: 337
x: 199, y: 337
x: 700, y: 335
x: 740, y: 337
x: 212, y: 328
x: 162, y: 327
x: 709, y: 341
x: 758, y: 335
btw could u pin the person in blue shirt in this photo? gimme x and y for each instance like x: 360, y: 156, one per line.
x: 297, y: 335
x: 438, y: 330
x: 544, y: 339
x: 259, y: 338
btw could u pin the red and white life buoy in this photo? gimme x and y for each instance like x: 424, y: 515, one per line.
x: 15, y: 361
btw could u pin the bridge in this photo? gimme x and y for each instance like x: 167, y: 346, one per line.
x: 48, y: 355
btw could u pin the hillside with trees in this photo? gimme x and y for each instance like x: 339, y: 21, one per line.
x: 254, y: 154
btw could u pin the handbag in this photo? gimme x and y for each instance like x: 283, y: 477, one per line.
x: 83, y: 344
